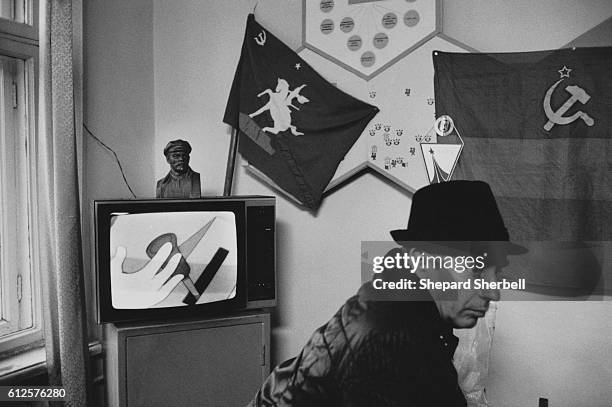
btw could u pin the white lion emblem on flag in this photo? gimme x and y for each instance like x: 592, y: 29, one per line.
x: 279, y: 104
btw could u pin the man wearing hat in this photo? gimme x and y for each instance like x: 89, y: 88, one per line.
x: 397, y: 351
x: 181, y: 181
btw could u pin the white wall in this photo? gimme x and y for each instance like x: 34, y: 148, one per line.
x: 159, y: 70
x: 555, y: 350
x: 521, y: 25
x: 118, y: 108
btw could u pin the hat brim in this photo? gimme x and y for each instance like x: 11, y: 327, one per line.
x: 403, y: 236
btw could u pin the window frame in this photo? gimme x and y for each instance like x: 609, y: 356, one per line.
x: 20, y: 41
x: 27, y: 29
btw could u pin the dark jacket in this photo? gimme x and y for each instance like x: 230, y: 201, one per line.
x: 371, y: 354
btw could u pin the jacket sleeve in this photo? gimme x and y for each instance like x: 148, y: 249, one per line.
x: 310, y: 379
x: 302, y: 381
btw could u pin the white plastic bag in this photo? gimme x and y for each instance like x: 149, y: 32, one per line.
x: 472, y: 358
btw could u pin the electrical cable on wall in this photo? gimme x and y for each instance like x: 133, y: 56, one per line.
x: 116, y: 158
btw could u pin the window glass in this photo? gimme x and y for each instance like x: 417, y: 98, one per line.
x: 13, y: 10
x: 16, y: 310
x: 20, y: 312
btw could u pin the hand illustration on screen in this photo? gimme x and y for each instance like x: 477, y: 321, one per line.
x: 147, y: 286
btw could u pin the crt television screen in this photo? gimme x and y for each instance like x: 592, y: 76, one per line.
x: 144, y: 248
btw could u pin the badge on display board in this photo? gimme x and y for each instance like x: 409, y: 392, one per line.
x: 368, y: 36
x: 392, y: 142
x: 441, y: 158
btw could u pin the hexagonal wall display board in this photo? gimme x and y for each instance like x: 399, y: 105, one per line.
x: 368, y: 36
x: 404, y: 93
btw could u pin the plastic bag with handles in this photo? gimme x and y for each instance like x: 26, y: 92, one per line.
x: 472, y: 358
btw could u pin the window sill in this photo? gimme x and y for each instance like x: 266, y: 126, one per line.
x: 32, y: 363
x: 23, y: 366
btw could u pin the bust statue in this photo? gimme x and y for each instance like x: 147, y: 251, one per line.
x: 181, y: 181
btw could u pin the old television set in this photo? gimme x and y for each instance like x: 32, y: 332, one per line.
x: 168, y: 259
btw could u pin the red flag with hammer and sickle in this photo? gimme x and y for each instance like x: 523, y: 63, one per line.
x: 294, y: 126
x: 537, y: 127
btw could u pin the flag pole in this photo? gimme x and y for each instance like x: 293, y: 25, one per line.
x: 231, y: 163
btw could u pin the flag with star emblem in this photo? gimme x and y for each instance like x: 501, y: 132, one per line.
x: 537, y: 127
x: 294, y: 126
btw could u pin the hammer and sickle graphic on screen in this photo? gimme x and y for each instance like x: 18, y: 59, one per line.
x: 185, y: 249
x: 556, y: 117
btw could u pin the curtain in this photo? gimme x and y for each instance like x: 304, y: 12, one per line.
x: 58, y: 208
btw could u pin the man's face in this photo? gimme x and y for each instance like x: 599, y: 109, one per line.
x: 470, y: 304
x: 178, y: 160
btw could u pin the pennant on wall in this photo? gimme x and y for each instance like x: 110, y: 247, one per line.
x: 441, y: 157
x: 537, y: 127
x: 294, y: 126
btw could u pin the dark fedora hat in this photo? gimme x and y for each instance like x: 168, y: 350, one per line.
x: 448, y: 213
